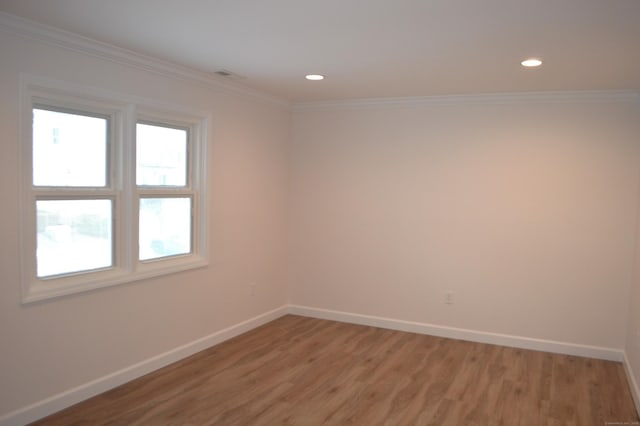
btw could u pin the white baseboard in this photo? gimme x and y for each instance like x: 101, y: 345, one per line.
x: 70, y: 397
x: 633, y: 385
x: 463, y: 334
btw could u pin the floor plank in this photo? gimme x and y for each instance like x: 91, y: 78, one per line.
x: 304, y: 371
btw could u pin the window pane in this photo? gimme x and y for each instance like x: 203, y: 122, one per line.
x: 69, y: 149
x: 73, y: 236
x: 165, y: 227
x: 161, y: 155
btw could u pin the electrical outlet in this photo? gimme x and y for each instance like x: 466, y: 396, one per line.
x: 448, y: 298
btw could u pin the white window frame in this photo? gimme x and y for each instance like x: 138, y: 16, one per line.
x: 123, y: 113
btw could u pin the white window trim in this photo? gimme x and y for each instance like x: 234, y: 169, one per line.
x: 124, y: 112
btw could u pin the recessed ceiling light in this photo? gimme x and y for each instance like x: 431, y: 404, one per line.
x: 531, y: 63
x: 315, y: 77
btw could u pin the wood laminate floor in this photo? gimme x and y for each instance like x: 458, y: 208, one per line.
x: 303, y: 371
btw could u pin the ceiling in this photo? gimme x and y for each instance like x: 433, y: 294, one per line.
x: 371, y: 48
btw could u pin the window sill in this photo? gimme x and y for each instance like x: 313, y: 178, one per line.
x: 44, y: 289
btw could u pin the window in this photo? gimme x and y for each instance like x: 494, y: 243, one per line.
x: 165, y: 201
x: 70, y: 150
x: 113, y: 191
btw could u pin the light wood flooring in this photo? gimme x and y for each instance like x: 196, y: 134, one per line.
x: 303, y: 371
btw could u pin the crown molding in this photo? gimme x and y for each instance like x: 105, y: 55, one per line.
x: 481, y: 98
x: 90, y: 47
x: 87, y: 46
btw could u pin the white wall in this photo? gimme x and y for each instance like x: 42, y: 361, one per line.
x: 632, y: 343
x: 51, y: 347
x: 523, y: 207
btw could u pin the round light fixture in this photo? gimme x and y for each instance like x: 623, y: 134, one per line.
x: 314, y: 77
x: 531, y: 63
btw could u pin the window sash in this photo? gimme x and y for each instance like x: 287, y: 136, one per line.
x: 108, y: 142
x: 64, y: 233
x: 167, y: 231
x: 188, y: 176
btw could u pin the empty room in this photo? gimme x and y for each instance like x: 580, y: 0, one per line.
x: 394, y: 212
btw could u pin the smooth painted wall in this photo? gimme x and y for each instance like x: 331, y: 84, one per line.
x: 50, y: 347
x: 523, y: 207
x: 632, y: 343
